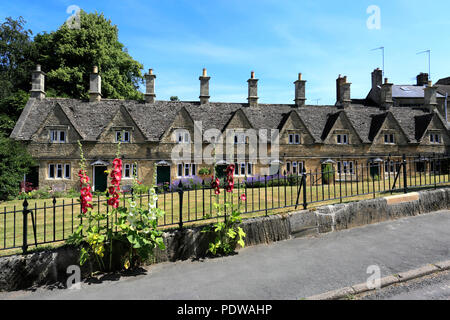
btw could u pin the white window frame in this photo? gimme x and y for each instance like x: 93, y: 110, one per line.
x: 182, y: 136
x: 239, y: 138
x: 55, y: 136
x: 120, y: 138
x: 342, y: 139
x: 389, y: 138
x: 59, y: 171
x: 435, y: 138
x: 346, y: 167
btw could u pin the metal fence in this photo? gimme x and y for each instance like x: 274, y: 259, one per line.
x: 37, y: 222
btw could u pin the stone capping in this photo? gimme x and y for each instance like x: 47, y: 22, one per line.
x: 49, y: 266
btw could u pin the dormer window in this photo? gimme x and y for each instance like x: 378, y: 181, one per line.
x: 123, y: 136
x: 342, y: 139
x: 182, y: 137
x: 239, y: 138
x: 294, y: 138
x: 58, y: 136
x: 435, y: 138
x: 389, y: 138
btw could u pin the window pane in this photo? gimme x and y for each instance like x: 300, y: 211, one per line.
x: 345, y: 138
x: 243, y: 169
x: 67, y: 171
x: 186, y: 169
x: 249, y: 168
x: 288, y: 167
x: 62, y: 136
x: 180, y: 170
x: 126, y: 136
x: 297, y: 139
x: 51, y: 171
x: 59, y: 171
x: 291, y: 139
x: 338, y: 138
x: 236, y: 168
x: 194, y: 169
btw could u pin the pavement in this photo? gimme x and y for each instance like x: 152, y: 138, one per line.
x: 287, y: 270
x: 432, y: 287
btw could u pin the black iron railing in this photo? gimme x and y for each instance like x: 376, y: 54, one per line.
x: 38, y: 222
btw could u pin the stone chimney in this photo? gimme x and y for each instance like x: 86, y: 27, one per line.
x: 38, y: 83
x: 343, y: 95
x: 300, y: 96
x: 252, y: 91
x: 150, y: 87
x: 422, y: 79
x: 95, y: 86
x: 377, y: 78
x: 430, y: 101
x: 386, y: 101
x: 204, y: 88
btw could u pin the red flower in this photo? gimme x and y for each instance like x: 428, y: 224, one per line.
x: 230, y: 179
x: 215, y: 184
x: 85, y: 192
x: 116, y: 177
x: 243, y: 197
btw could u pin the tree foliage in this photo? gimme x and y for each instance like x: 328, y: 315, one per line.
x: 15, y: 162
x: 68, y: 55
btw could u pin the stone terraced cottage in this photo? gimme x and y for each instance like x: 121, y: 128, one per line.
x: 392, y: 120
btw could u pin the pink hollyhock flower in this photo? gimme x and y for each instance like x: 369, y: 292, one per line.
x: 243, y: 197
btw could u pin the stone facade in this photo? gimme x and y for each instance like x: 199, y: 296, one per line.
x: 352, y: 130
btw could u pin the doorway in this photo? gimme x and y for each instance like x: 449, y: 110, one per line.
x: 100, y: 178
x: 162, y: 175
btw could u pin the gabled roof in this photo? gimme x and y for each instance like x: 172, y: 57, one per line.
x: 294, y: 115
x: 423, y: 122
x: 331, y: 121
x: 91, y: 118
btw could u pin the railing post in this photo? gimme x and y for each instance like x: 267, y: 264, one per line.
x: 180, y: 194
x: 265, y: 195
x: 54, y: 218
x: 434, y: 169
x: 305, y: 203
x: 25, y: 227
x: 405, y: 178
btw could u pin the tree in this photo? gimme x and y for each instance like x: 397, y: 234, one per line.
x: 68, y: 55
x: 16, y: 57
x: 14, y: 165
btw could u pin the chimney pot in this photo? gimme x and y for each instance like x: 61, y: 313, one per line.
x: 252, y: 90
x: 204, y: 88
x: 300, y: 96
x: 95, y: 86
x: 38, y: 83
x: 430, y: 99
x: 343, y: 94
x: 150, y: 87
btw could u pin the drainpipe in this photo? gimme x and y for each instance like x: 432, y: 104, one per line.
x: 446, y: 101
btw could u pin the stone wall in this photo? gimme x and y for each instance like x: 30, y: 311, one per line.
x: 48, y: 267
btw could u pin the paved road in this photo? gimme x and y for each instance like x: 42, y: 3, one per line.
x: 432, y: 287
x: 291, y: 269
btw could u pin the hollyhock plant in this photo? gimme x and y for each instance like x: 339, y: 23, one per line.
x: 129, y: 234
x: 228, y: 234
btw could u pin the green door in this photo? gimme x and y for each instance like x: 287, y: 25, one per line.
x: 221, y: 171
x: 100, y: 178
x: 162, y: 174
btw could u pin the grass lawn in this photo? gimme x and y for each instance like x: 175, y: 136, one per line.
x: 55, y: 223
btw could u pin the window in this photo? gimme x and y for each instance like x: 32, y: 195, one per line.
x: 345, y: 167
x: 239, y: 138
x: 182, y: 136
x: 186, y: 170
x: 129, y: 170
x: 59, y: 171
x: 294, y: 138
x: 435, y: 138
x: 391, y: 167
x: 242, y: 169
x: 342, y: 139
x: 123, y: 136
x: 67, y: 171
x: 294, y: 167
x: 389, y: 138
x: 58, y: 136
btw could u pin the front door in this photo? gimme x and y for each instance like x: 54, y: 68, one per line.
x: 162, y: 174
x: 100, y: 178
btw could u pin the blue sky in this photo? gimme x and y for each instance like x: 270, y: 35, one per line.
x: 275, y: 38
